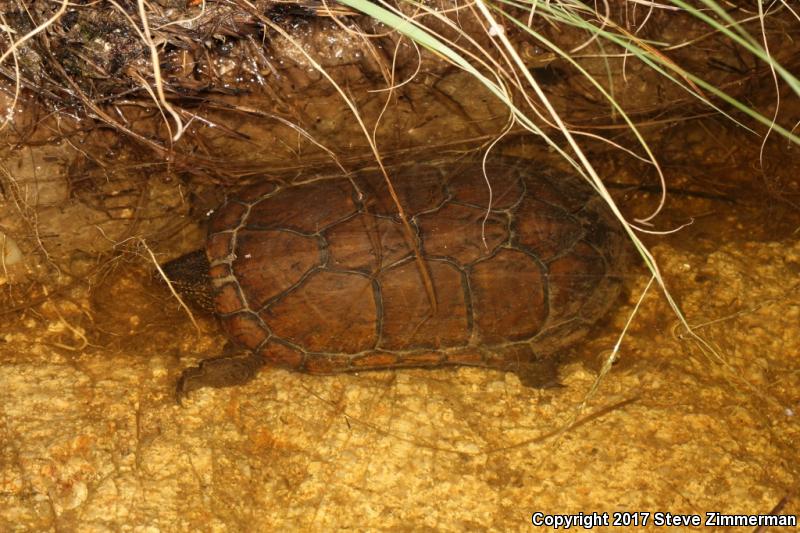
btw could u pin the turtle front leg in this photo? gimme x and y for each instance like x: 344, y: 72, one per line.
x: 223, y: 371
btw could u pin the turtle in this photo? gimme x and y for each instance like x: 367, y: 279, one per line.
x: 499, y: 264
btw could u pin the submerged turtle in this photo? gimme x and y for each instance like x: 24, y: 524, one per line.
x: 320, y: 275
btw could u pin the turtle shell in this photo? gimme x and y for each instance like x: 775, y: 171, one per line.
x: 319, y: 275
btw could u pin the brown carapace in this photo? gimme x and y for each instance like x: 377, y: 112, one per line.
x: 319, y: 275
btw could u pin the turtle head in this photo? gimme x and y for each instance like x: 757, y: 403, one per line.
x: 188, y: 275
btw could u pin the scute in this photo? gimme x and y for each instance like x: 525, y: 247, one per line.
x: 572, y: 280
x: 328, y: 312
x: 509, y: 297
x: 367, y: 243
x: 246, y: 328
x: 462, y: 232
x: 408, y: 320
x: 269, y: 262
x: 546, y: 230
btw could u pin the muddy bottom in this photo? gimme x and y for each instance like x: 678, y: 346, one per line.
x: 91, y: 438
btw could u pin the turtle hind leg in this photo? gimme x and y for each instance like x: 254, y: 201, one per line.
x: 224, y: 371
x: 537, y: 374
x: 533, y: 370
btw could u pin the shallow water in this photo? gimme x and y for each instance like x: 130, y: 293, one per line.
x: 91, y: 438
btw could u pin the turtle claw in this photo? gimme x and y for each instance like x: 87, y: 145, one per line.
x: 218, y: 372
